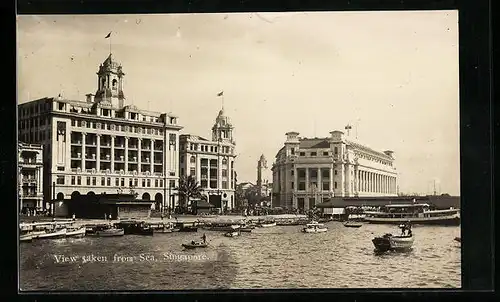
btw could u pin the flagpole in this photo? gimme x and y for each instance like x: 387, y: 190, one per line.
x: 110, y: 44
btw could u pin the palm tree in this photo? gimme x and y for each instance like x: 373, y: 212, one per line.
x: 188, y: 188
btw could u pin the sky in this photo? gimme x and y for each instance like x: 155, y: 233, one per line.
x: 392, y: 75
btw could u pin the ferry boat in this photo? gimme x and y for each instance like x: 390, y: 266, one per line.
x: 51, y: 234
x: 221, y: 226
x: 76, y: 231
x: 414, y: 213
x: 315, y: 227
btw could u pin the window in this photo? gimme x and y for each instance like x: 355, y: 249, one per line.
x: 73, y: 180
x: 335, y: 185
x: 292, y: 184
x: 292, y: 172
x: 193, y: 159
x: 192, y: 172
x: 325, y: 153
x: 302, y: 153
x: 88, y: 180
x: 292, y: 151
x: 156, y: 183
x: 326, y: 186
x: 79, y: 180
x: 117, y: 182
x: 224, y: 184
x: 172, y: 137
x: 94, y: 181
x: 103, y: 181
x: 302, y: 172
x: 335, y: 172
x: 302, y: 186
x: 224, y: 173
x: 325, y: 173
x: 143, y: 183
x: 60, y: 168
x: 313, y: 153
x: 149, y: 183
x: 109, y: 181
x: 161, y: 183
x: 172, y: 183
x: 336, y: 150
x: 123, y: 182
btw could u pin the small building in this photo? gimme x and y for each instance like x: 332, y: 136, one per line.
x: 30, y: 173
x: 119, y: 206
x: 201, y: 206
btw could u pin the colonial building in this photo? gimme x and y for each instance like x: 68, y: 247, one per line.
x: 30, y: 173
x: 103, y: 145
x: 308, y: 171
x: 211, y: 162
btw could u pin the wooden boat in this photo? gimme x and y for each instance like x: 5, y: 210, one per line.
x: 413, y: 213
x: 246, y: 229
x: 26, y: 238
x: 266, y: 224
x: 109, y: 232
x: 76, y: 232
x: 224, y: 227
x: 389, y: 242
x: 232, y: 234
x: 135, y: 228
x: 193, y: 245
x: 352, y: 224
x: 51, y: 234
x: 315, y: 227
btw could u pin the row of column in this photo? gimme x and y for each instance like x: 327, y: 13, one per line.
x: 376, y: 183
x: 363, y: 181
x: 112, y: 156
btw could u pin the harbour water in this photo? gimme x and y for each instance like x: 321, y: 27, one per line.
x: 275, y: 257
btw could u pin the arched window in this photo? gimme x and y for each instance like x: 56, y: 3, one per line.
x: 103, y: 83
x: 224, y: 161
x: 336, y: 150
x: 115, y: 84
x: 193, y: 159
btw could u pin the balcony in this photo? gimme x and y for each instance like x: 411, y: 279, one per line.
x: 106, y: 157
x: 90, y: 156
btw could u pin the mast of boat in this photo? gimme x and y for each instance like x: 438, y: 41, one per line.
x: 434, y: 187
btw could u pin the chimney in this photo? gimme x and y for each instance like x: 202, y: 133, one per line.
x: 90, y: 98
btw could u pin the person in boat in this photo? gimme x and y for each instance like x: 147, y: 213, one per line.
x: 192, y: 242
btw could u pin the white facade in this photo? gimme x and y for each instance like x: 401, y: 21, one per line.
x: 211, y: 162
x: 101, y: 145
x: 308, y: 171
x: 30, y: 174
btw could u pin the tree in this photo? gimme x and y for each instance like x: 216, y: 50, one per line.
x: 188, y: 188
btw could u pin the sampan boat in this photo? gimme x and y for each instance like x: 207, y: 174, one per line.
x: 194, y: 245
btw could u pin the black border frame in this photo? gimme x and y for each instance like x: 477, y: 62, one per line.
x: 476, y: 130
